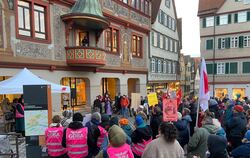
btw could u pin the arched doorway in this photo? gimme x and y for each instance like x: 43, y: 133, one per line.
x: 110, y: 86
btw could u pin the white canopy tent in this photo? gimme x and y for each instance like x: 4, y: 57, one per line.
x: 14, y: 85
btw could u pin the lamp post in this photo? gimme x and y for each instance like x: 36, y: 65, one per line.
x: 11, y: 4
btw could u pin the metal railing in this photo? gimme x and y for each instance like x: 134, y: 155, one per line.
x: 16, y: 154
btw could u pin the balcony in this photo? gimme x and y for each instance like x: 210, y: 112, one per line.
x: 85, y: 56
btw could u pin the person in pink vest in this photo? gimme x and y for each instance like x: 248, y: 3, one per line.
x: 53, y: 137
x: 117, y: 147
x: 19, y: 116
x: 140, y: 137
x: 75, y: 138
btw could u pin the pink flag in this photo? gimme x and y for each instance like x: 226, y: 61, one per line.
x: 204, y: 90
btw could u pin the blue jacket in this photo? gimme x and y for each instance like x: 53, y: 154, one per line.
x: 183, y: 131
x: 242, y: 151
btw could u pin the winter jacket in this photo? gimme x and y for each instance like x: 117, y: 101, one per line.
x: 228, y: 115
x: 237, y: 126
x: 141, y: 134
x: 242, y: 151
x: 155, y: 123
x: 159, y: 148
x: 128, y: 130
x: 217, y: 146
x: 124, y: 102
x: 183, y: 132
x: 198, y: 142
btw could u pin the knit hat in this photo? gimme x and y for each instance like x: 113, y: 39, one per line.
x: 123, y: 122
x: 238, y: 108
x: 139, y: 120
x: 117, y: 136
x: 247, y: 135
x: 114, y: 121
x: 179, y: 116
x: 77, y: 117
x: 96, y: 116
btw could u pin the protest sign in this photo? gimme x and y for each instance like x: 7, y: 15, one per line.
x: 135, y: 100
x: 170, y: 110
x: 152, y: 99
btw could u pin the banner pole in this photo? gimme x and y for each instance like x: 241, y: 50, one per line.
x: 197, y: 115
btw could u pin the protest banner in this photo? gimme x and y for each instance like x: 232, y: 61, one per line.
x: 170, y: 110
x: 135, y: 100
x: 152, y: 99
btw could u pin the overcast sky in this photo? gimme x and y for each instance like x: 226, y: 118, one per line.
x: 187, y: 10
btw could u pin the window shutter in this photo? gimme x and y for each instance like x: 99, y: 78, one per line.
x: 158, y: 39
x: 169, y: 44
x: 217, y: 20
x: 233, y: 68
x: 227, y: 43
x: 229, y: 18
x: 246, y: 66
x: 152, y: 38
x: 227, y: 68
x: 164, y: 42
x: 241, y: 39
x: 156, y: 65
x: 209, y: 68
x: 215, y: 68
x: 235, y: 18
x: 248, y: 16
x: 204, y: 22
x: 219, y: 43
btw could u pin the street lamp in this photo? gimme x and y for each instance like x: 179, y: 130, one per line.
x: 11, y: 4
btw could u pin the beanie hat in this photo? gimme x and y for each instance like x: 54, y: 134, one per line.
x: 77, y: 117
x: 117, y: 136
x: 238, y: 108
x: 139, y: 120
x: 247, y: 135
x: 114, y: 121
x: 96, y: 116
x: 123, y: 122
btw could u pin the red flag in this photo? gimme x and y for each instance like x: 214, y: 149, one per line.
x: 178, y: 97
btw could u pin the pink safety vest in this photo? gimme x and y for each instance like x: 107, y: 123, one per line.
x: 76, y: 142
x: 121, y: 152
x: 54, y: 141
x: 100, y: 139
x: 139, y: 148
x: 19, y: 115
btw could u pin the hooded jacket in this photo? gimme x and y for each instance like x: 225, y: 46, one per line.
x: 198, y: 142
x: 183, y: 132
x: 140, y: 134
x: 242, y: 151
x: 217, y: 146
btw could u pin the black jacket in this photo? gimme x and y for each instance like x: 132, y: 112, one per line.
x: 141, y: 134
x: 237, y: 125
x: 183, y: 131
x: 217, y: 146
x: 74, y: 126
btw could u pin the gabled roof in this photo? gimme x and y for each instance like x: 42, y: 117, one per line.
x: 155, y: 9
x: 209, y: 6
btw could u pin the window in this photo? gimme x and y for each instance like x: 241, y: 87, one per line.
x: 161, y: 41
x: 133, y: 3
x: 209, y: 68
x: 169, y: 22
x: 137, y: 46
x: 209, y: 44
x: 223, y: 19
x: 246, y: 67
x: 162, y: 17
x: 223, y: 43
x: 166, y: 20
x: 164, y: 67
x: 234, y: 42
x: 173, y: 24
x: 167, y: 3
x: 159, y: 66
x: 220, y: 68
x: 152, y: 65
x: 209, y: 21
x: 143, y: 6
x: 246, y: 42
x: 242, y: 16
x: 111, y: 40
x: 32, y: 19
x: 24, y: 18
x: 146, y: 7
x: 175, y: 45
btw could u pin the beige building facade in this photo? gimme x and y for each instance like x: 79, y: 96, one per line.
x: 225, y: 45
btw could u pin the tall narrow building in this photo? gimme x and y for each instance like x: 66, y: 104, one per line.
x: 164, y: 46
x: 225, y: 44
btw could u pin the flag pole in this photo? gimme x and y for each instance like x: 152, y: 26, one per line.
x: 197, y: 115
